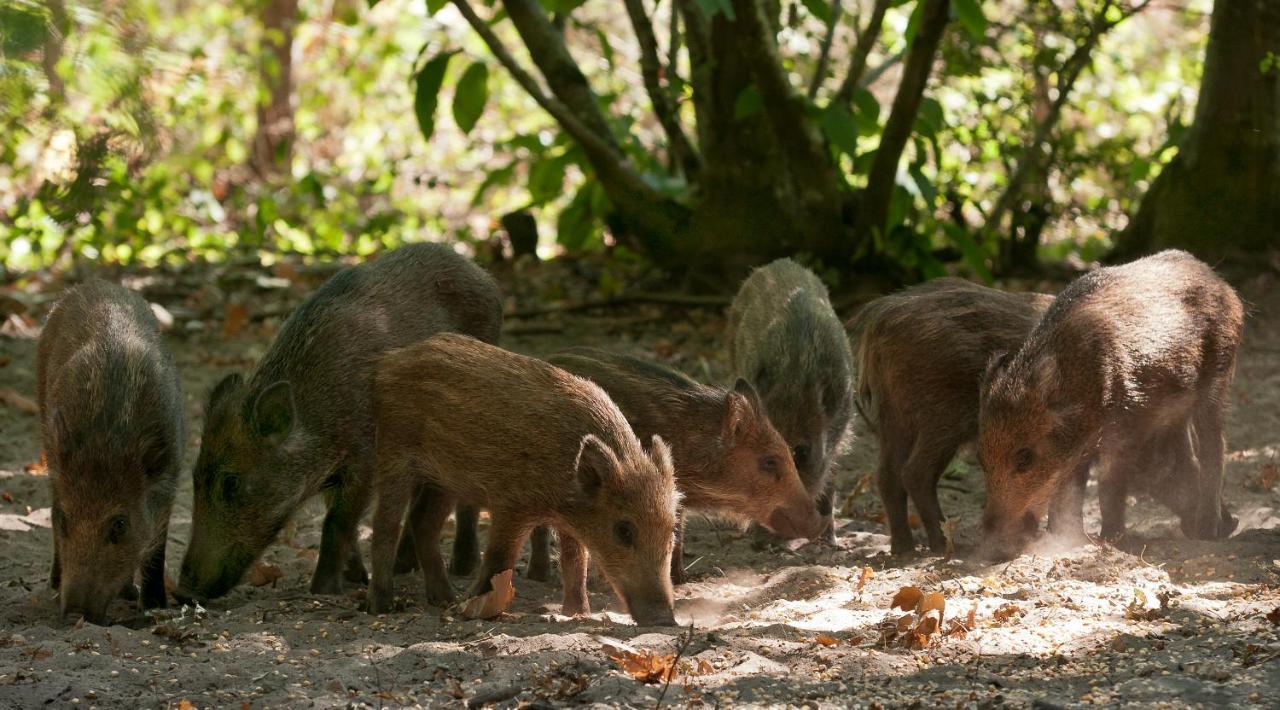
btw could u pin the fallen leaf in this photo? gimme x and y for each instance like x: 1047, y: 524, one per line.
x: 933, y: 602
x: 647, y: 667
x: 906, y: 599
x: 826, y: 640
x: 1268, y: 476
x: 866, y: 574
x: 6, y: 496
x: 262, y: 574
x: 234, y: 317
x: 185, y: 704
x: 493, y: 602
x: 1274, y: 616
x: 914, y: 521
x: 1007, y: 611
x: 18, y: 402
x: 905, y: 622
x: 927, y: 626
x: 39, y: 468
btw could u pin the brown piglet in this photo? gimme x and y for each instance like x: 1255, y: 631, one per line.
x: 533, y: 444
x: 729, y: 460
x: 1128, y: 371
x: 921, y: 354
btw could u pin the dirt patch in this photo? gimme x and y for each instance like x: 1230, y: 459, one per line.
x: 1165, y: 620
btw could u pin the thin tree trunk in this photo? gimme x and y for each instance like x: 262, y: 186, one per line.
x: 1220, y: 195
x: 273, y: 140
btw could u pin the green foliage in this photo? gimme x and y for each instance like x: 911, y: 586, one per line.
x: 427, y: 93
x: 470, y: 96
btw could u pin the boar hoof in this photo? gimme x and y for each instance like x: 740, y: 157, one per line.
x: 326, y: 585
x: 129, y: 592
x: 356, y: 573
x: 678, y: 575
x: 379, y: 602
x: 902, y: 547
x: 440, y: 594
x: 538, y: 571
x: 462, y: 565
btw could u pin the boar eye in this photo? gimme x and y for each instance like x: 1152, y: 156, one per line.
x: 625, y: 532
x: 800, y: 455
x: 119, y: 526
x: 1023, y: 460
x: 771, y: 465
x: 230, y: 487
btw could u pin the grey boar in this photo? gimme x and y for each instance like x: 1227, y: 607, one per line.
x: 1129, y: 368
x: 729, y: 460
x: 785, y: 339
x: 921, y: 354
x: 535, y: 445
x: 113, y: 432
x: 302, y: 423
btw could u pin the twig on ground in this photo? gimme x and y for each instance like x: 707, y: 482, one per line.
x: 686, y: 638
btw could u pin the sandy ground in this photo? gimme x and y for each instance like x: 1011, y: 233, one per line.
x: 1169, y: 622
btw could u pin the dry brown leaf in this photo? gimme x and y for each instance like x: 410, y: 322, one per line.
x: 856, y: 640
x: 647, y: 667
x: 826, y: 640
x: 1007, y: 611
x: 39, y: 468
x: 927, y: 626
x: 933, y: 601
x: 234, y: 317
x: 1274, y: 616
x: 907, y: 598
x: 6, y: 496
x: 185, y: 704
x: 1268, y: 476
x: 972, y: 620
x: 262, y: 574
x: 493, y: 602
x: 905, y: 622
x: 864, y: 576
x: 18, y: 402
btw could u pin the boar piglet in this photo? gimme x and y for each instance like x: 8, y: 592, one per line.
x: 921, y: 354
x: 785, y: 339
x: 302, y: 423
x: 535, y: 445
x: 1130, y: 369
x: 112, y: 427
x: 729, y: 460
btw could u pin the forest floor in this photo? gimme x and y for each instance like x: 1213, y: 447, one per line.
x: 1167, y: 621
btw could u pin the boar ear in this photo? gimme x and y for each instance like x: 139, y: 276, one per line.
x: 273, y: 413
x: 996, y: 365
x: 737, y: 416
x: 745, y: 389
x: 596, y: 463
x: 661, y: 455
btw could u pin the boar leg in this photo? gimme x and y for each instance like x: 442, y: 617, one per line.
x: 507, y: 532
x: 540, y: 554
x: 826, y: 504
x: 1066, y: 510
x: 1210, y: 517
x: 340, y: 530
x: 55, y: 574
x: 929, y: 458
x: 430, y: 510
x: 573, y: 574
x: 1113, y: 489
x: 466, y: 543
x: 406, y: 555
x: 153, y: 592
x: 394, y: 488
x: 894, y: 498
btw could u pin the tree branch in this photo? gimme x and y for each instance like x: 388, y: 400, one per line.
x: 547, y: 49
x: 906, y: 104
x: 858, y: 65
x: 630, y: 193
x: 698, y: 38
x: 682, y: 153
x: 824, y: 54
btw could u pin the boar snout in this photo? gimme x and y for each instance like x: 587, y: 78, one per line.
x: 1006, y: 536
x: 79, y: 599
x: 651, y: 606
x: 653, y: 615
x: 791, y: 524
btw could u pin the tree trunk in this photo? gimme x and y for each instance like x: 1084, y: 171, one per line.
x: 1220, y: 196
x: 273, y: 140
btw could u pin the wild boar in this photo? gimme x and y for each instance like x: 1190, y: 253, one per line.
x: 1128, y: 361
x: 729, y: 460
x: 113, y: 432
x: 785, y: 339
x: 302, y: 423
x: 921, y: 354
x: 535, y: 445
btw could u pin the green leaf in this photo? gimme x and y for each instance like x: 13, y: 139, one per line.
x: 927, y: 191
x: 470, y: 96
x: 840, y: 128
x: 867, y: 111
x: 427, y: 92
x: 561, y: 6
x: 913, y: 24
x: 748, y: 103
x: 970, y: 14
x: 576, y: 224
x: 929, y: 119
x: 434, y: 6
x: 972, y: 252
x: 606, y: 47
x: 818, y: 9
x: 546, y: 178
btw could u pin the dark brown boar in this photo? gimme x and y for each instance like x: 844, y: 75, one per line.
x: 302, y: 423
x: 112, y: 426
x: 729, y: 460
x: 785, y: 339
x: 534, y: 445
x: 921, y: 354
x: 1129, y: 361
